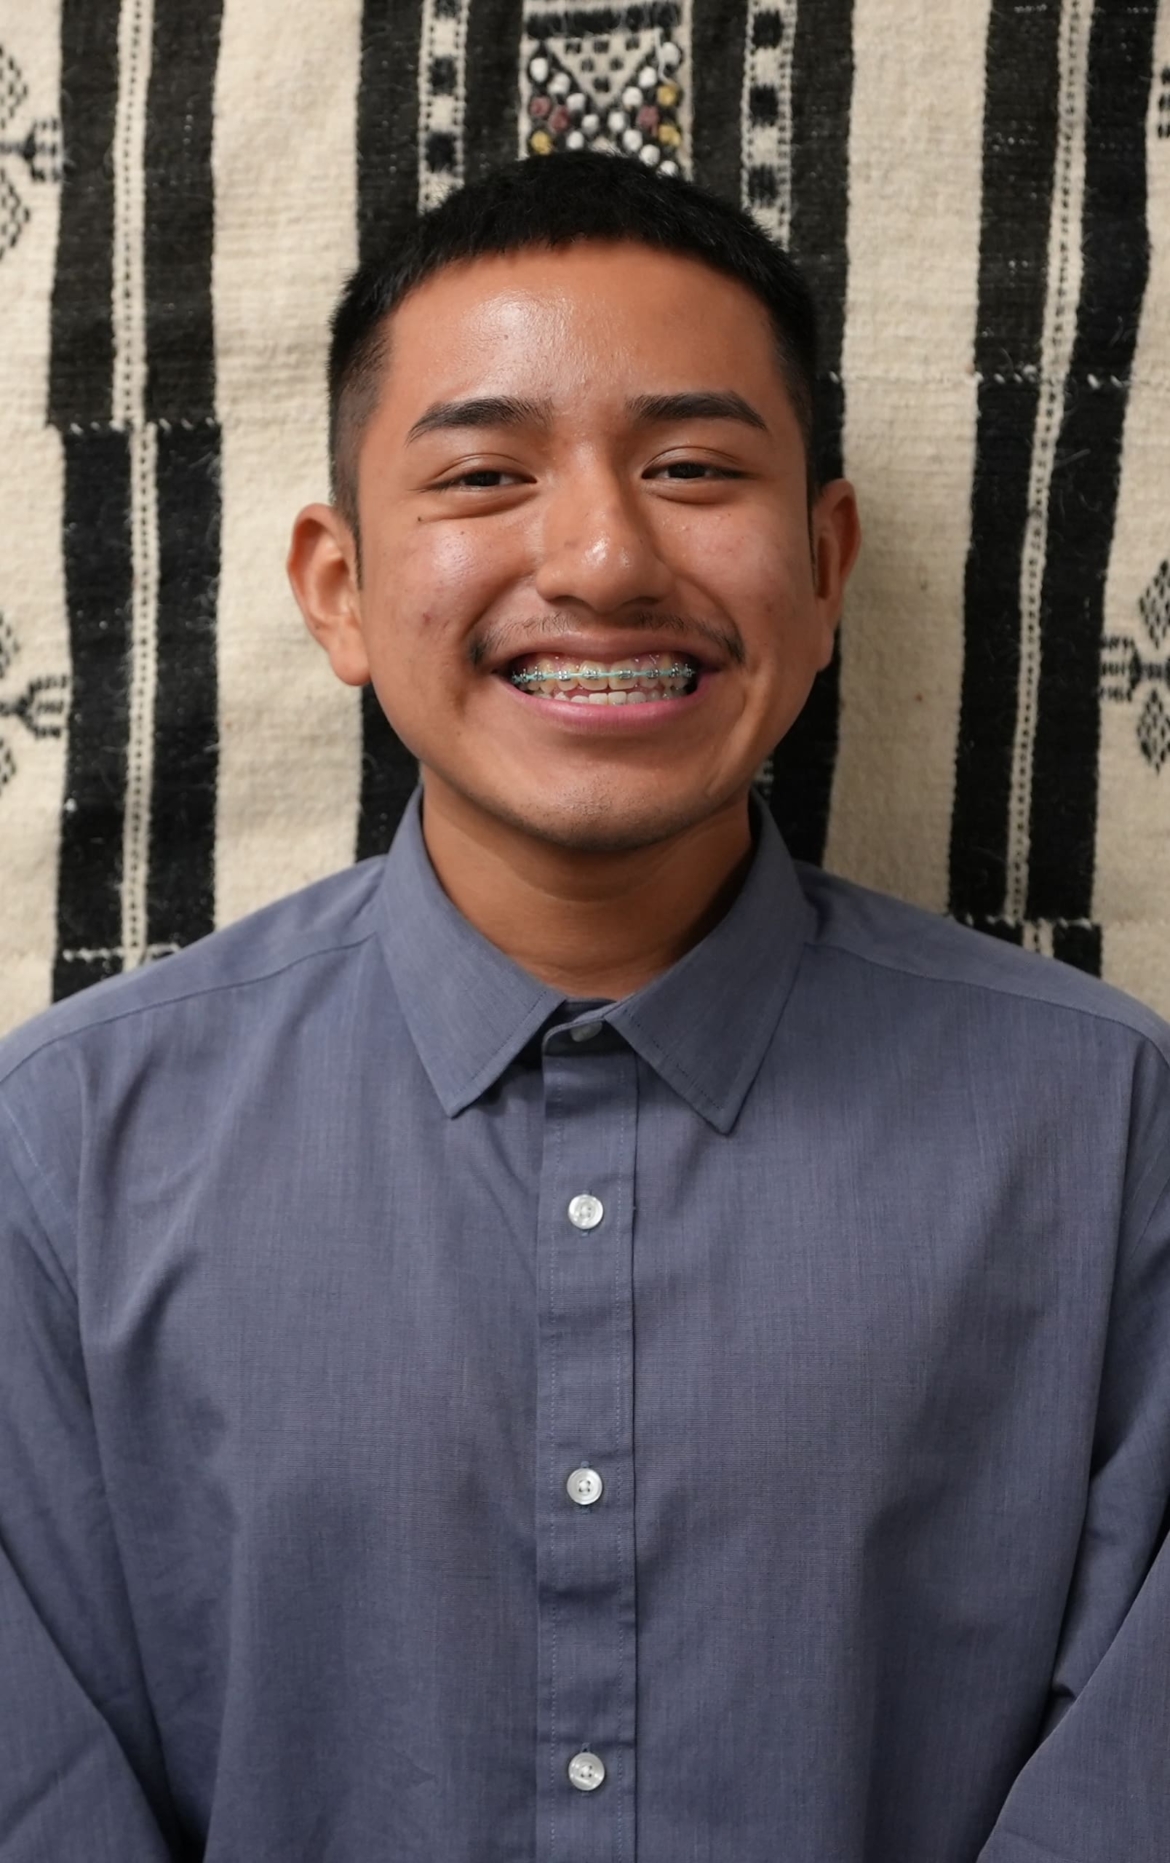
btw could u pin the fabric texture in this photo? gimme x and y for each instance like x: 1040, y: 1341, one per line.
x: 410, y: 1382
x: 980, y: 192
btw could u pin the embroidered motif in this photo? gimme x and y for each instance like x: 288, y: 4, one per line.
x: 39, y: 149
x: 1124, y: 669
x: 620, y: 89
x: 40, y: 708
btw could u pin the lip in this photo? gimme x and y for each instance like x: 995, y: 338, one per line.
x: 610, y: 720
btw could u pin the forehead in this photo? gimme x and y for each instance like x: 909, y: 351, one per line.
x: 591, y: 320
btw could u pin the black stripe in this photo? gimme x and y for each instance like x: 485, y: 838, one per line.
x: 1083, y: 504
x: 718, y: 49
x: 96, y: 498
x: 179, y: 237
x: 490, y: 128
x: 1019, y: 156
x: 180, y: 211
x: 180, y: 899
x: 82, y: 355
x: 387, y: 178
x: 1079, y: 945
x: 822, y: 94
x: 96, y: 547
x: 580, y: 22
x: 387, y: 118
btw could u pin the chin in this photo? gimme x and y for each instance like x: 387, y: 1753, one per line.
x: 603, y: 824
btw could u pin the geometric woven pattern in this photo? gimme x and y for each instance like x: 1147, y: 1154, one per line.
x: 979, y: 193
x: 619, y: 91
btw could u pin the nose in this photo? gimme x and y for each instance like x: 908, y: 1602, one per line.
x: 598, y: 547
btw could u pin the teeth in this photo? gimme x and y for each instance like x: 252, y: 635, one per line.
x: 641, y: 697
x: 653, y: 675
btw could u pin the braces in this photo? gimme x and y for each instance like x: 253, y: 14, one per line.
x: 651, y: 677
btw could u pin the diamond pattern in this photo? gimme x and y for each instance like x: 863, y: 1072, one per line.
x: 1154, y: 731
x: 9, y: 646
x: 13, y: 215
x: 1155, y: 605
x: 13, y: 89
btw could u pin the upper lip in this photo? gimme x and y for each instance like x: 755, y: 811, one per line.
x: 609, y: 649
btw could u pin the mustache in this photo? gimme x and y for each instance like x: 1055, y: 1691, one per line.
x: 493, y: 642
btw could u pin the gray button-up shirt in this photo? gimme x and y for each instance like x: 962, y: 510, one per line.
x: 740, y: 1435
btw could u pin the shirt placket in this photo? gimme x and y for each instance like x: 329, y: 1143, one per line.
x: 585, y: 1469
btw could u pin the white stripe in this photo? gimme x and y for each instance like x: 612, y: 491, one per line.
x: 289, y: 732
x: 32, y: 593
x: 769, y: 145
x: 142, y: 685
x: 129, y: 391
x: 129, y: 265
x: 910, y: 421
x: 1060, y: 329
x: 443, y: 35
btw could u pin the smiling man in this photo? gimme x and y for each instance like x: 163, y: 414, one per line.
x: 574, y: 549
x: 584, y: 1341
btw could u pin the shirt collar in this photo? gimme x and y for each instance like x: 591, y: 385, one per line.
x: 704, y: 1025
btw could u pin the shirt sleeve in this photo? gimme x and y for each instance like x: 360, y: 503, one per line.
x: 82, y: 1774
x: 1097, y: 1787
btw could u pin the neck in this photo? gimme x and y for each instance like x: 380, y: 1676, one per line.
x: 591, y: 924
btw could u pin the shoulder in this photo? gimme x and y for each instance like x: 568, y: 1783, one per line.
x: 319, y: 923
x: 904, y: 948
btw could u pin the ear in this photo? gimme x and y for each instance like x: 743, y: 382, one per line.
x: 322, y: 568
x: 836, y: 540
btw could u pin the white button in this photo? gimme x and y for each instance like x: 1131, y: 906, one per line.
x: 586, y: 1772
x: 586, y: 1032
x: 585, y: 1486
x: 586, y: 1212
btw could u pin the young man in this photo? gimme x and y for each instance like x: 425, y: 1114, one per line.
x: 582, y: 1341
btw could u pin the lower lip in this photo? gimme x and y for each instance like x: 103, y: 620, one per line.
x: 651, y: 715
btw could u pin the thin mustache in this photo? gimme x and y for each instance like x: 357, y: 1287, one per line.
x: 493, y: 643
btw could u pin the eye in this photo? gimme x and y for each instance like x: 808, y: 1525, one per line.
x: 480, y: 479
x: 691, y: 469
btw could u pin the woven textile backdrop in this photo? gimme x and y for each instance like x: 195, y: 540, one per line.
x: 980, y: 192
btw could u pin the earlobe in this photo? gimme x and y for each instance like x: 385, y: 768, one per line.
x: 322, y: 570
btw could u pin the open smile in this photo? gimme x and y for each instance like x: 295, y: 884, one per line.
x: 632, y: 679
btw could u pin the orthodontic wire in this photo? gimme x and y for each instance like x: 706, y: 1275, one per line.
x: 622, y: 672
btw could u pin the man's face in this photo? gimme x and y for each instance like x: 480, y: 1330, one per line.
x: 584, y: 465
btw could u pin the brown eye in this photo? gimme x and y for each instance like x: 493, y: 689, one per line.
x: 689, y: 470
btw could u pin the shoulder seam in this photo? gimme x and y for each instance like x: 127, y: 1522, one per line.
x: 995, y: 989
x: 179, y: 996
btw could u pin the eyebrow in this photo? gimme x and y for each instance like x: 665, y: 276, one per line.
x: 647, y: 411
x: 707, y: 404
x: 481, y: 411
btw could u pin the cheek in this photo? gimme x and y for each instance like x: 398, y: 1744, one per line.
x: 431, y: 583
x: 761, y: 575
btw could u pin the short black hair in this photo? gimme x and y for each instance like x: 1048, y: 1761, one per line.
x: 556, y: 200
